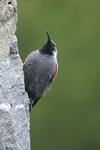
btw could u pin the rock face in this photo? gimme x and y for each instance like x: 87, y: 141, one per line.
x: 8, y: 19
x: 14, y: 114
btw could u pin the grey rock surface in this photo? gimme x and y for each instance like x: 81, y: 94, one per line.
x: 8, y: 20
x: 14, y: 114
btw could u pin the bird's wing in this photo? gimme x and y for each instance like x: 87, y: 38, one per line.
x: 54, y: 73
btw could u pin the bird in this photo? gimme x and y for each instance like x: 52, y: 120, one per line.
x: 40, y: 69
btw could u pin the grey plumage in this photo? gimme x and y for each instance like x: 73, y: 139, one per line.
x: 39, y: 69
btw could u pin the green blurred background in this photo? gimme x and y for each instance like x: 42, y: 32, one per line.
x: 68, y: 116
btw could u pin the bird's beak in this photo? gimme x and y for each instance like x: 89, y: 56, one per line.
x: 48, y: 36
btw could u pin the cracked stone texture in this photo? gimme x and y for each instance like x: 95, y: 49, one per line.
x: 8, y: 19
x: 14, y: 114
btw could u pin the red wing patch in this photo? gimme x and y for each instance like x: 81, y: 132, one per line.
x: 54, y: 74
x: 29, y: 56
x: 55, y: 70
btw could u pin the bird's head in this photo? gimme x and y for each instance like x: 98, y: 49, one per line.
x: 49, y: 47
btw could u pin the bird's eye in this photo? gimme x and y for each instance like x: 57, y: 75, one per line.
x: 54, y: 45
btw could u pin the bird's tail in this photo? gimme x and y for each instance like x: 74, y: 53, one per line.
x: 32, y: 103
